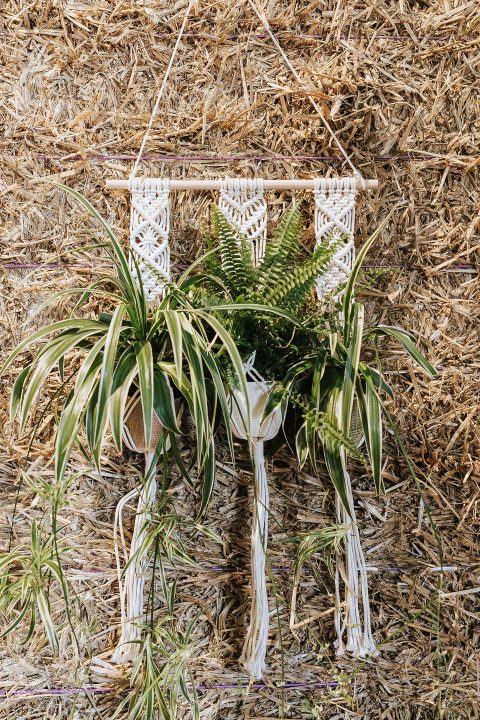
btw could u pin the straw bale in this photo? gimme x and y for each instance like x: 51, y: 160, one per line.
x: 396, y: 80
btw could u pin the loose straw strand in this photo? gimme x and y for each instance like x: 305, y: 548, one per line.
x: 263, y: 19
x: 162, y: 90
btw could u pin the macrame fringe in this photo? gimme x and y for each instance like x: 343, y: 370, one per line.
x: 131, y: 580
x: 149, y: 230
x: 335, y: 222
x: 356, y: 624
x: 242, y: 203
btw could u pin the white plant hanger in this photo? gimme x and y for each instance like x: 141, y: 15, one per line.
x: 245, y: 422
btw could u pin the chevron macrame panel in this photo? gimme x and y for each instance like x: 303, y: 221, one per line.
x: 335, y: 220
x: 149, y: 229
x: 243, y: 204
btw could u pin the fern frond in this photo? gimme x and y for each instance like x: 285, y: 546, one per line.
x: 341, y: 440
x: 292, y: 288
x: 281, y: 248
x: 235, y: 257
x: 211, y: 262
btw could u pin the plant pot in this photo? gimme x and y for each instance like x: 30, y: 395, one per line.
x: 133, y: 434
x: 241, y: 420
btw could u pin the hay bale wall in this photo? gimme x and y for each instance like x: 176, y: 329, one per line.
x: 399, y: 82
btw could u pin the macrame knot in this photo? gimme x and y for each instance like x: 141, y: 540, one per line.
x: 242, y: 203
x: 149, y: 231
x: 335, y: 222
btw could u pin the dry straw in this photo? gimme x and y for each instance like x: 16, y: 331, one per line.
x: 82, y: 84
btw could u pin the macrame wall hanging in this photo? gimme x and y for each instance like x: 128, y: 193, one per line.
x: 149, y: 228
x: 242, y: 202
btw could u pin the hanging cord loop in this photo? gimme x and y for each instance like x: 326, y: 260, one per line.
x: 263, y: 19
x: 261, y: 429
x: 131, y: 580
x: 162, y: 89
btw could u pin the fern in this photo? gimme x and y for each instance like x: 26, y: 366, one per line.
x: 236, y: 263
x: 283, y: 279
x: 293, y: 288
x: 281, y: 248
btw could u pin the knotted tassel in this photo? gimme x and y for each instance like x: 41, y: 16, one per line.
x: 255, y: 645
x: 132, y: 581
x: 353, y: 572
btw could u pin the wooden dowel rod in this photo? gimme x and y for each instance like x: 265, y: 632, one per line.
x: 216, y: 184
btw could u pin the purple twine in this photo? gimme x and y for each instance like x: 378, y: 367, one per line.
x: 97, y: 690
x: 285, y: 569
x: 285, y: 35
x: 409, y: 156
x: 318, y: 36
x: 459, y: 267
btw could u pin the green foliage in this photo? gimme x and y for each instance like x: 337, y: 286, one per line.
x: 165, y: 351
x: 282, y: 313
x: 192, y: 346
x: 161, y: 678
x: 334, y: 383
x: 26, y: 577
x: 324, y: 541
x: 315, y: 355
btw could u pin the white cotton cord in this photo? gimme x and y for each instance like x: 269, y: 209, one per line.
x: 255, y: 645
x: 131, y: 580
x: 247, y: 419
x: 118, y: 529
x: 149, y: 233
x: 339, y: 629
x: 162, y: 89
x: 335, y: 222
x: 263, y: 19
x: 356, y: 624
x: 242, y: 203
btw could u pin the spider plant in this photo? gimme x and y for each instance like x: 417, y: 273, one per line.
x: 162, y: 351
x: 161, y: 676
x: 26, y: 576
x: 325, y: 540
x: 333, y: 383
